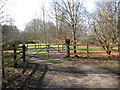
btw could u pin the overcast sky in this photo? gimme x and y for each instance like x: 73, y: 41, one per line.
x: 24, y: 11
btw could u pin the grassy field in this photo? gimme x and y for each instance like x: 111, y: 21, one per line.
x: 33, y: 49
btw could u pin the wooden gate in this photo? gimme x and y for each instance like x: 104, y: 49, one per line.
x: 44, y: 51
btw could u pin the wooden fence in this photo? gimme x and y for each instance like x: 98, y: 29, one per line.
x: 93, y: 50
x: 13, y: 55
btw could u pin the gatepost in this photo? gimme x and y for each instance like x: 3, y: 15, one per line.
x: 67, y: 47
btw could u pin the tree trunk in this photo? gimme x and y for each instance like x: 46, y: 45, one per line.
x: 45, y: 33
x: 56, y: 15
x: 119, y: 26
x: 108, y: 52
x: 74, y: 40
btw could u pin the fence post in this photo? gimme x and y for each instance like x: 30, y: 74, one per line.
x: 24, y: 53
x: 58, y: 47
x: 87, y: 50
x: 108, y: 50
x: 35, y: 46
x: 48, y: 50
x: 27, y: 45
x: 40, y: 45
x: 67, y: 46
x: 3, y: 71
x: 62, y: 47
x: 15, y: 64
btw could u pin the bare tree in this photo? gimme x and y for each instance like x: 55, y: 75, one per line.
x: 73, y: 15
x: 4, y: 17
x: 51, y: 30
x: 56, y: 15
x: 34, y: 30
x: 45, y: 33
x: 119, y: 26
x: 104, y: 24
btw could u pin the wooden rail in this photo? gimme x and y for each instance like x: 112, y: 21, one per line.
x: 11, y: 48
x: 101, y: 55
x: 12, y: 55
x: 93, y: 45
x: 11, y: 62
x: 88, y: 49
x: 96, y: 49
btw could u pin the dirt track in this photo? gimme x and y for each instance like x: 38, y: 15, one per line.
x: 71, y: 74
x: 59, y: 73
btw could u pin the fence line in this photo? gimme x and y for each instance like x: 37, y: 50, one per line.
x: 101, y: 55
x: 93, y: 45
x: 109, y: 51
x: 12, y: 55
x: 11, y: 62
x: 11, y: 48
x: 96, y: 49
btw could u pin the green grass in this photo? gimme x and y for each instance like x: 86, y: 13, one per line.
x: 97, y: 62
x: 62, y: 64
x: 51, y: 61
x: 10, y: 70
x: 106, y: 64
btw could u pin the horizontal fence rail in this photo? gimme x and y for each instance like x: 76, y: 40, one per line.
x: 88, y: 50
x: 96, y: 49
x: 93, y: 45
x: 101, y: 55
x: 11, y: 62
x: 14, y: 55
x: 11, y: 48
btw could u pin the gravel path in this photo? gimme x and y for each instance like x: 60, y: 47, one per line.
x: 70, y: 74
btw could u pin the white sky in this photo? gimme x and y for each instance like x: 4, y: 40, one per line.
x: 24, y: 11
